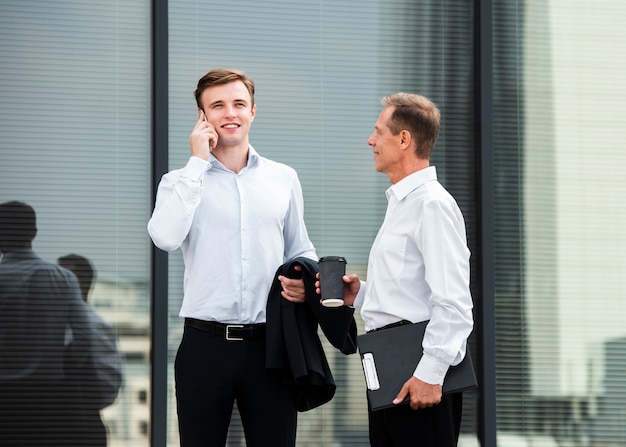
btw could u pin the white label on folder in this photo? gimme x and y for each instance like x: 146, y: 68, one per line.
x: 369, y: 367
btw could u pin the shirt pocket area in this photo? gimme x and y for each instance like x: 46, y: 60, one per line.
x: 391, y: 257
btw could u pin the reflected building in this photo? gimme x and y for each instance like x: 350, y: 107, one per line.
x: 124, y: 305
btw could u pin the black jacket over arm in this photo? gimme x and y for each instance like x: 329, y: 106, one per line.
x: 294, y: 349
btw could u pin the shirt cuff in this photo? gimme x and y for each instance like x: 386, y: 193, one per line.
x: 195, y: 168
x: 431, y: 371
x: 360, y: 296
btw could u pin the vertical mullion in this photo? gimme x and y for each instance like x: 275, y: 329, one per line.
x: 485, y: 150
x: 159, y: 299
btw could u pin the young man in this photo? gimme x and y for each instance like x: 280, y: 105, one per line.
x: 418, y: 270
x: 236, y: 216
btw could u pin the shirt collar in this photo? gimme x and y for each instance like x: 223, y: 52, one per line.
x: 253, y: 156
x: 411, y: 182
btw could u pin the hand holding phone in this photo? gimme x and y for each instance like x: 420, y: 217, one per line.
x: 203, y: 138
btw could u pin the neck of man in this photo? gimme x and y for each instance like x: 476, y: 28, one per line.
x: 7, y: 247
x: 234, y: 158
x: 407, y: 167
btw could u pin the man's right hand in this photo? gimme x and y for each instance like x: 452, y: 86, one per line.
x: 202, y: 134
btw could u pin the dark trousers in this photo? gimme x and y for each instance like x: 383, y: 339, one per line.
x: 437, y: 426
x: 211, y: 373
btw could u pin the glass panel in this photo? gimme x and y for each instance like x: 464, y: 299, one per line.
x: 320, y: 68
x: 559, y: 130
x: 75, y: 145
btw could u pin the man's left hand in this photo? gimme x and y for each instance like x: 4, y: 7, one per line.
x: 293, y: 289
x: 422, y: 394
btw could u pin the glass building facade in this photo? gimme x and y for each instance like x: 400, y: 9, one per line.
x: 96, y: 103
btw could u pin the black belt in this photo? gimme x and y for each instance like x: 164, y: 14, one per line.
x: 389, y: 326
x: 230, y: 332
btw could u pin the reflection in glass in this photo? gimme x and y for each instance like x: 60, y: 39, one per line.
x: 59, y: 363
x: 75, y: 145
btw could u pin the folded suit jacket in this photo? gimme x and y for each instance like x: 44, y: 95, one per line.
x: 294, y: 350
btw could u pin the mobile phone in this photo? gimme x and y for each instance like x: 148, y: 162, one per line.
x: 205, y: 119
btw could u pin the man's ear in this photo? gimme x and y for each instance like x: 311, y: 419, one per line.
x: 405, y: 139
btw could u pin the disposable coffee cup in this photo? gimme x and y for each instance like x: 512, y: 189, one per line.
x: 332, y: 269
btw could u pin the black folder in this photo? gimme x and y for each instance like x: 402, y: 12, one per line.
x: 389, y: 358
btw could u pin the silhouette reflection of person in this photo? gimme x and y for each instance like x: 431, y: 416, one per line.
x: 38, y: 301
x: 97, y: 384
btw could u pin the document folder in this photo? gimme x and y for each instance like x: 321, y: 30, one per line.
x: 389, y: 358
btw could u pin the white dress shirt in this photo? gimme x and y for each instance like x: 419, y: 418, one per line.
x: 418, y: 270
x: 234, y: 229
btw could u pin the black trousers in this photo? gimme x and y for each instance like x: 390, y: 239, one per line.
x: 437, y: 426
x: 211, y: 373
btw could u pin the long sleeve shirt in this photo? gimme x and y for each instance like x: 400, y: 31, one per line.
x: 234, y: 230
x: 418, y: 270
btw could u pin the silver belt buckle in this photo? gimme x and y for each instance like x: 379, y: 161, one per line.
x: 228, y: 328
